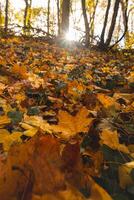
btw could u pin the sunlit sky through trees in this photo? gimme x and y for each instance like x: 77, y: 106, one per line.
x: 77, y: 28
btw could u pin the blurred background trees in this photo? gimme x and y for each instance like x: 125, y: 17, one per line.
x: 103, y: 23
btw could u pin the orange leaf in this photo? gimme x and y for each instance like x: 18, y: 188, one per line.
x: 70, y: 125
x: 20, y: 70
x: 111, y: 139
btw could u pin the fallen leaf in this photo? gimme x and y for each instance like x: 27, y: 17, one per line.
x: 107, y: 101
x: 70, y: 193
x: 36, y: 121
x: 97, y: 192
x: 7, y: 139
x: 29, y: 166
x: 70, y: 125
x: 111, y: 139
x: 4, y: 120
x: 20, y: 70
x: 2, y: 87
x: 124, y: 171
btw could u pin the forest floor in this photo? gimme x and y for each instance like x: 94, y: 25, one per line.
x: 66, y: 122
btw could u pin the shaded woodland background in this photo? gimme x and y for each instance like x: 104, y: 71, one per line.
x: 103, y: 23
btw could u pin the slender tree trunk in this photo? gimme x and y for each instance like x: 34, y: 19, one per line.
x: 0, y: 15
x: 27, y: 16
x: 92, y: 21
x: 6, y: 16
x: 113, y: 22
x: 83, y: 3
x: 65, y: 17
x: 124, y: 8
x: 29, y: 13
x: 48, y: 17
x: 58, y: 16
x: 101, y: 45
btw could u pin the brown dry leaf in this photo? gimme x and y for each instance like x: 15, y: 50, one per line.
x: 111, y: 139
x: 125, y: 178
x: 15, y: 174
x: 70, y: 125
x: 71, y: 157
x: 72, y: 165
x: 97, y: 192
x: 94, y: 167
x: 29, y: 166
x: 70, y: 193
x: 46, y: 163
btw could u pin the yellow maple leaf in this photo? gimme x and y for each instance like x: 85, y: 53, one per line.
x: 19, y: 97
x: 31, y: 122
x: 7, y: 139
x: 31, y: 132
x: 2, y: 87
x: 4, y: 120
x: 124, y: 171
x: 75, y: 88
x: 111, y: 139
x: 20, y: 70
x: 107, y: 101
x: 35, y: 80
x: 131, y: 77
x: 70, y: 125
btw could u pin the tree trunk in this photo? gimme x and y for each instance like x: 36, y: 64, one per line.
x: 101, y: 44
x: 83, y: 3
x: 6, y: 16
x: 113, y: 22
x: 27, y: 16
x: 0, y: 15
x: 124, y: 8
x: 58, y: 16
x: 91, y: 27
x: 65, y: 17
x: 48, y: 17
x: 29, y: 13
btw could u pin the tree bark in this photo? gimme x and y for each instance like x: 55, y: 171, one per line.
x: 0, y: 15
x: 91, y: 27
x: 113, y: 22
x: 58, y: 16
x: 104, y: 25
x: 6, y: 16
x: 83, y: 3
x: 65, y: 17
x: 48, y: 17
x: 27, y: 15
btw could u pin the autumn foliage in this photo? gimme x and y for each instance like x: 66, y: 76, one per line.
x: 66, y: 122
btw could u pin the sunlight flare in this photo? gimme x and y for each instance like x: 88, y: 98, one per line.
x: 70, y: 36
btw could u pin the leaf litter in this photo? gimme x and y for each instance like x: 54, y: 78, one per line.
x: 66, y: 122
